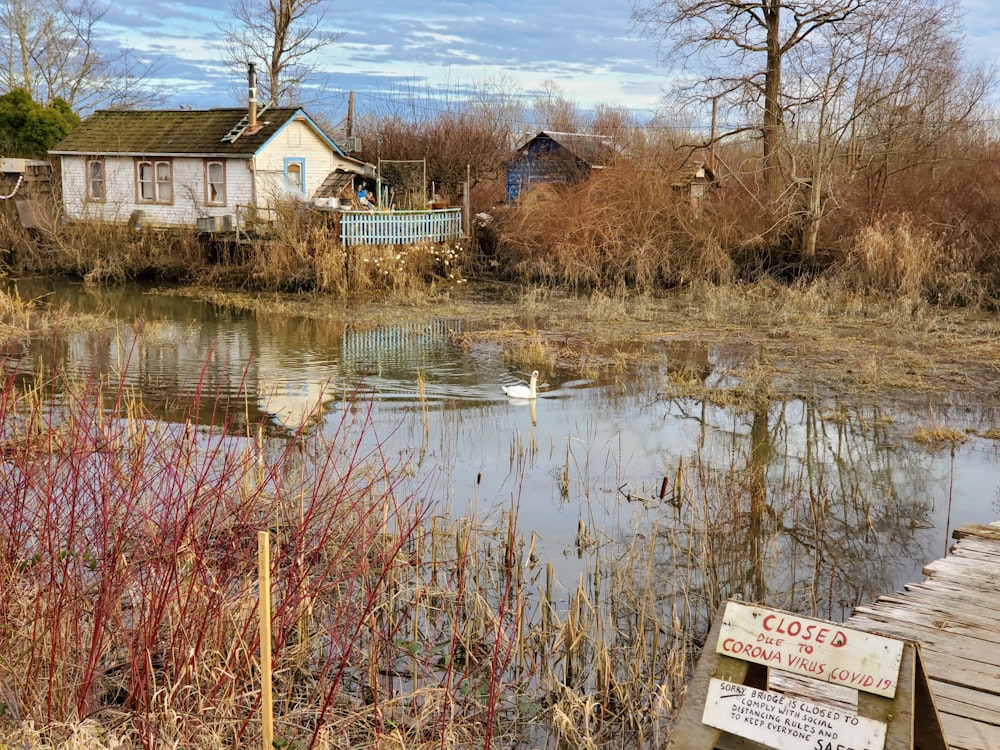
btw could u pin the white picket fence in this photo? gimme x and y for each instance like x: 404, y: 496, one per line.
x: 400, y: 227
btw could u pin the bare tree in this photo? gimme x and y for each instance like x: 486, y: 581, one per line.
x: 739, y: 47
x: 555, y: 111
x: 468, y: 137
x: 613, y: 121
x: 282, y: 37
x: 50, y: 49
x: 876, y: 95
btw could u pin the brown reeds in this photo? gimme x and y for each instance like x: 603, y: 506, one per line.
x: 130, y: 589
x: 106, y: 252
x: 619, y: 229
x: 130, y: 608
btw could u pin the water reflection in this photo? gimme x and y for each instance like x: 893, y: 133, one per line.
x: 800, y: 502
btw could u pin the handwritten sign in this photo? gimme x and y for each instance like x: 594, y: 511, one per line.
x: 785, y: 723
x: 813, y: 648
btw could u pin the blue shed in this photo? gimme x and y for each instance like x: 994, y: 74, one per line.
x: 557, y: 157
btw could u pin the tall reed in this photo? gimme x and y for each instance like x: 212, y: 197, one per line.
x: 129, y: 589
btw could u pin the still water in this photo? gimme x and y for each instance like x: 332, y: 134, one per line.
x: 806, y: 502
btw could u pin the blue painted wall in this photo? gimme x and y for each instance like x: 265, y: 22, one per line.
x: 542, y: 160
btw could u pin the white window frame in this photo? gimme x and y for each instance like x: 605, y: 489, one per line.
x: 97, y: 181
x: 158, y: 185
x: 220, y: 185
x: 290, y: 187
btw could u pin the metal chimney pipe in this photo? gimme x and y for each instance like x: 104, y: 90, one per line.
x: 252, y: 100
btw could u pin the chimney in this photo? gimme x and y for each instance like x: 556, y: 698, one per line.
x: 252, y: 100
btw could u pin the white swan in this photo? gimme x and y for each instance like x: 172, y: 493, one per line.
x: 523, y: 391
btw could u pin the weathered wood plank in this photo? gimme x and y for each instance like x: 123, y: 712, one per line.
x: 979, y: 548
x: 943, y: 611
x: 954, y: 591
x: 936, y: 621
x: 966, y: 734
x: 955, y: 615
x: 969, y: 573
x: 962, y: 700
x: 962, y: 562
x: 983, y: 531
x: 948, y: 594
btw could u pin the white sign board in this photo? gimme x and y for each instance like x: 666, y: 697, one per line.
x: 813, y: 648
x: 785, y: 723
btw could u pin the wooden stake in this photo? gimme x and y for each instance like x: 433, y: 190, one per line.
x: 264, y: 576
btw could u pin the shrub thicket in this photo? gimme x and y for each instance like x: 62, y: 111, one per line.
x: 935, y: 235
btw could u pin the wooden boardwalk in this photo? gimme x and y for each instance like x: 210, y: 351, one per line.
x: 955, y: 616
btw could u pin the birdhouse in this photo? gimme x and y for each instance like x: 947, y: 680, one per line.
x: 695, y: 179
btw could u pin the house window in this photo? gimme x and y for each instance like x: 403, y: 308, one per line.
x: 295, y: 183
x: 95, y: 179
x: 215, y: 183
x: 155, y: 181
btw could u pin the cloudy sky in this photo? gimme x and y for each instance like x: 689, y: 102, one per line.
x: 398, y: 49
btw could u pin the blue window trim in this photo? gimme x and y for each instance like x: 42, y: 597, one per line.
x: 302, y: 173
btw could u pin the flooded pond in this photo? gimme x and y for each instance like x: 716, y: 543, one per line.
x: 807, y: 502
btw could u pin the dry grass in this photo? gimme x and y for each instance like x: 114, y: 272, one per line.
x: 894, y: 254
x: 105, y: 252
x: 302, y: 252
x: 938, y: 435
x: 620, y: 229
x: 626, y: 227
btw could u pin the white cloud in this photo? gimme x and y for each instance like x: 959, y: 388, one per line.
x: 586, y: 46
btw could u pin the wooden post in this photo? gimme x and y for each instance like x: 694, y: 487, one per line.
x: 264, y: 594
x: 711, y: 141
x: 467, y: 204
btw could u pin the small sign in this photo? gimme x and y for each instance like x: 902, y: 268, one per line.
x: 812, y: 648
x: 785, y: 723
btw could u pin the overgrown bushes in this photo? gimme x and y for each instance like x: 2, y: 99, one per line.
x: 620, y: 229
x: 626, y: 227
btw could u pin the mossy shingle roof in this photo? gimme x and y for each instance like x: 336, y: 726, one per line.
x: 163, y: 132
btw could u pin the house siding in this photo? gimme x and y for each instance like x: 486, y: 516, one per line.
x: 297, y: 140
x: 188, y: 191
x: 255, y: 162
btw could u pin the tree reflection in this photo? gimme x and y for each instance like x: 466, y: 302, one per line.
x: 794, y: 503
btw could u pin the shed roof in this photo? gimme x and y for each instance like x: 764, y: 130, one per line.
x: 694, y: 172
x: 595, y: 150
x: 335, y: 182
x: 177, y: 132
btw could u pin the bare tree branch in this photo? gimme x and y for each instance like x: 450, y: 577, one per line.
x: 50, y: 49
x: 283, y: 38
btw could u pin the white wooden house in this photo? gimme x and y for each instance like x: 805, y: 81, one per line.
x: 194, y: 168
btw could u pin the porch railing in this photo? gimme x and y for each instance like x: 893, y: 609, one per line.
x: 400, y: 227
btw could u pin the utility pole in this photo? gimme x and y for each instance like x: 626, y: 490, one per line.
x: 350, y: 115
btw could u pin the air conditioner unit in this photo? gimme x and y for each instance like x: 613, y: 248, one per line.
x: 215, y: 223
x: 351, y: 145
